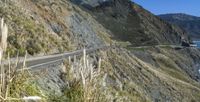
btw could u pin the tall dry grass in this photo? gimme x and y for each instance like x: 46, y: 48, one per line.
x: 84, y: 76
x: 9, y: 73
x: 5, y: 79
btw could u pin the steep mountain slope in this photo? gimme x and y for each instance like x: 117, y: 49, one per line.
x: 188, y: 22
x: 43, y: 27
x: 128, y: 74
x: 128, y: 21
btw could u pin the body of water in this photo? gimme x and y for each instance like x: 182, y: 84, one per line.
x: 198, y: 43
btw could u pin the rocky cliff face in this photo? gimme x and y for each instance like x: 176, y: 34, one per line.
x: 133, y: 74
x: 188, y: 22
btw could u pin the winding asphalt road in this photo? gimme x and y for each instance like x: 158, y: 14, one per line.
x: 36, y: 62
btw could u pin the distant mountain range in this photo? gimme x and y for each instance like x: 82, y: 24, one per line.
x: 188, y: 22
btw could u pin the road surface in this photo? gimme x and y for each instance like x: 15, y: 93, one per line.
x: 36, y: 62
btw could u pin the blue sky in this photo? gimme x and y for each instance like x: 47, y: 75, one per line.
x: 191, y: 7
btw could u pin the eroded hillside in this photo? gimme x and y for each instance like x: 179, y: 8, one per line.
x: 42, y: 27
